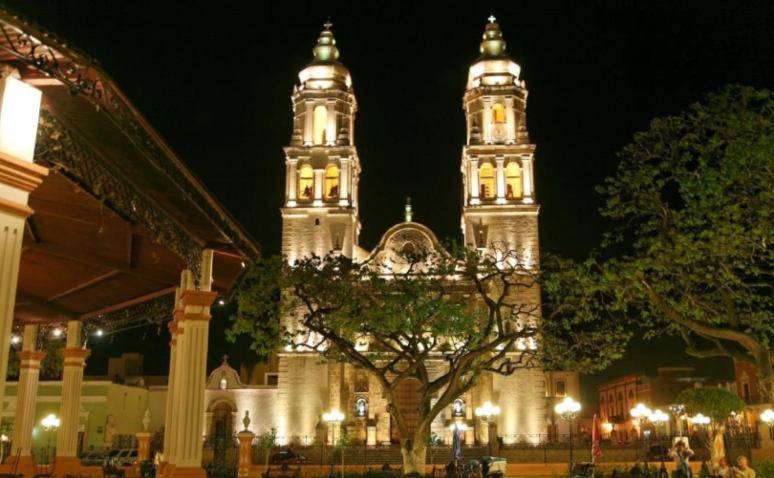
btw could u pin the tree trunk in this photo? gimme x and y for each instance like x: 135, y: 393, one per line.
x: 414, y: 458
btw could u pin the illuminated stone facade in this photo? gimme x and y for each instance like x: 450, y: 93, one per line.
x: 320, y: 215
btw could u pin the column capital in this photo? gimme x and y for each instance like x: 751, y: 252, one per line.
x: 21, y: 175
x: 75, y: 356
x: 201, y: 298
x: 31, y: 356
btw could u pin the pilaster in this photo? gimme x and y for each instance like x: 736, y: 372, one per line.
x: 26, y: 399
x: 74, y: 356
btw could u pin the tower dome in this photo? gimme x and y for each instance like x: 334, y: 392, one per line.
x: 493, y: 67
x: 325, y: 71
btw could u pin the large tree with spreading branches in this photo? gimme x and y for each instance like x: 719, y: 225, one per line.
x: 691, y: 250
x: 473, y: 312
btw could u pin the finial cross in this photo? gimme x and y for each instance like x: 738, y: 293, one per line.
x: 491, y: 17
x: 328, y: 24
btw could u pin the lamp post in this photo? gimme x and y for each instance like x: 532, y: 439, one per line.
x: 641, y: 413
x: 488, y: 413
x: 50, y: 423
x: 334, y: 418
x: 767, y: 417
x: 568, y: 409
x: 658, y: 418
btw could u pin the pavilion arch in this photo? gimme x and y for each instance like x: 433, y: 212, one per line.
x: 487, y: 182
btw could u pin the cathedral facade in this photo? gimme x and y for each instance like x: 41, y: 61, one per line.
x: 320, y: 216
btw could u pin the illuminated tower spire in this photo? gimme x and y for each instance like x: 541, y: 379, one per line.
x: 492, y: 44
x: 326, y: 51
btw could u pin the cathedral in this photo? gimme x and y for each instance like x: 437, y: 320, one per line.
x: 320, y: 215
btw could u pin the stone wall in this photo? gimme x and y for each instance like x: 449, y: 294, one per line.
x: 302, y: 395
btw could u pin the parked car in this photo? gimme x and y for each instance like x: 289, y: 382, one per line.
x: 288, y: 457
x: 93, y: 459
x: 107, y: 460
x: 126, y: 457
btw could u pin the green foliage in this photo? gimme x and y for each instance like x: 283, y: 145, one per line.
x: 690, y: 252
x: 764, y: 469
x: 51, y: 365
x: 716, y: 403
x: 479, y: 312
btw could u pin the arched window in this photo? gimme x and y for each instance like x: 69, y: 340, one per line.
x: 513, y: 181
x: 458, y: 408
x: 331, y: 182
x: 487, y: 181
x: 320, y: 124
x: 361, y: 407
x: 498, y: 113
x: 306, y: 182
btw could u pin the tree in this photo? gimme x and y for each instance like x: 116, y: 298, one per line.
x: 266, y: 441
x: 691, y: 250
x: 716, y: 403
x: 471, y: 312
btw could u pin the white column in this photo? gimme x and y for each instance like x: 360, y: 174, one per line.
x: 74, y: 355
x: 171, y: 411
x: 19, y: 106
x: 500, y: 178
x: 486, y: 124
x: 474, y: 188
x: 26, y: 396
x: 510, y: 119
x: 319, y: 177
x: 344, y: 181
x: 330, y: 131
x: 292, y: 181
x: 194, y: 317
x: 308, y: 122
x: 527, y: 178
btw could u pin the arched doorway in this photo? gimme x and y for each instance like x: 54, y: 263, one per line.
x: 408, y: 401
x: 222, y: 419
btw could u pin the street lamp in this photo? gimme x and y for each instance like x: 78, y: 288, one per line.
x: 641, y: 413
x: 658, y: 418
x: 767, y: 417
x: 334, y: 418
x: 568, y: 409
x: 489, y: 413
x: 50, y: 423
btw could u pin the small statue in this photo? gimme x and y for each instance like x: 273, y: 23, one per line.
x: 246, y: 421
x: 146, y: 420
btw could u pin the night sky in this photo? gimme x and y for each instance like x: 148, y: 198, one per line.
x: 214, y: 78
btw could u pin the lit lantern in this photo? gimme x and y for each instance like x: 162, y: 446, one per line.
x: 19, y: 112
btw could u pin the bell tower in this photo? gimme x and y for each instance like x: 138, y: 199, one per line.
x: 320, y: 213
x: 499, y: 208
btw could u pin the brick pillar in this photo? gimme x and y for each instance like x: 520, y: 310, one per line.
x: 26, y: 400
x: 194, y: 319
x: 74, y: 355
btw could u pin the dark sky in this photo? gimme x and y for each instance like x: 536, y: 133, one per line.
x: 215, y: 78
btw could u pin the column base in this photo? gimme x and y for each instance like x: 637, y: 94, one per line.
x: 187, y: 472
x: 67, y: 465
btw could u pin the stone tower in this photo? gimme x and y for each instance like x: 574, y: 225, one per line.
x: 498, y: 203
x: 499, y: 209
x: 320, y: 216
x: 320, y: 213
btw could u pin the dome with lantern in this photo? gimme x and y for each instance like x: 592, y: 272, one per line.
x: 325, y: 71
x: 493, y: 67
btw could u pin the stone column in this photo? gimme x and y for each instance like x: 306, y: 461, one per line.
x: 17, y: 180
x: 474, y: 188
x: 308, y: 122
x: 245, y: 452
x: 319, y: 180
x: 26, y: 400
x: 331, y: 131
x: 292, y: 181
x: 527, y: 178
x: 486, y: 125
x: 344, y: 173
x: 194, y: 317
x: 74, y: 356
x: 170, y: 411
x: 510, y: 116
x: 500, y: 179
